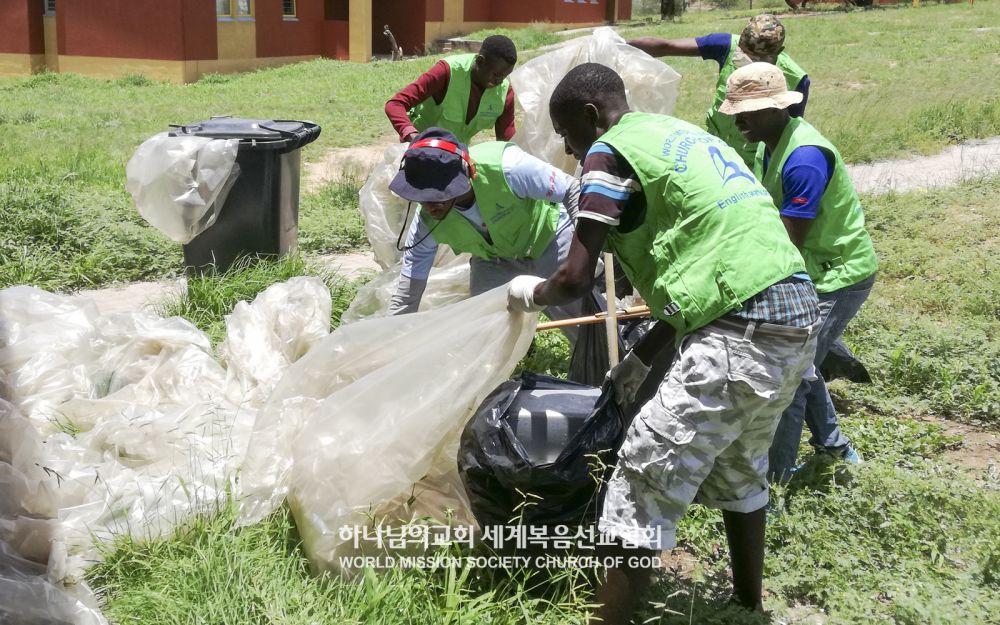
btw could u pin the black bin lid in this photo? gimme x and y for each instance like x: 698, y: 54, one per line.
x: 262, y: 134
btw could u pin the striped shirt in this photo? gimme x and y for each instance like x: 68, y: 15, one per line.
x: 611, y: 194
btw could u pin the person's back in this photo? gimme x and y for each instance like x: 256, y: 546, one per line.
x: 705, y: 213
x: 464, y: 93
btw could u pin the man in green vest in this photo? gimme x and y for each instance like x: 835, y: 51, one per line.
x: 819, y: 206
x: 763, y: 39
x: 700, y: 239
x: 506, y: 208
x: 465, y: 93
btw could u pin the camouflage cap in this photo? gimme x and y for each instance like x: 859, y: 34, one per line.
x: 763, y: 37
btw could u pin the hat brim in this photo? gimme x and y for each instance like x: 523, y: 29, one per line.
x: 459, y: 186
x: 779, y: 101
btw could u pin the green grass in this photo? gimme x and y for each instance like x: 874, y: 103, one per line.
x: 214, y: 573
x: 931, y: 330
x: 536, y: 35
x: 329, y: 219
x: 209, y: 298
x: 884, y: 82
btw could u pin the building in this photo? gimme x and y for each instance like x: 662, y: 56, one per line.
x: 181, y: 40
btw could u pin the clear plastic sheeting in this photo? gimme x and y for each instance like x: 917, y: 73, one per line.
x: 180, y: 183
x: 651, y: 86
x: 28, y: 598
x: 447, y: 284
x: 368, y: 422
x: 265, y: 337
x: 383, y: 211
x: 127, y: 424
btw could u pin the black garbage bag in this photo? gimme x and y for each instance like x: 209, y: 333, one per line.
x: 554, y: 439
x: 589, y: 362
x: 840, y: 362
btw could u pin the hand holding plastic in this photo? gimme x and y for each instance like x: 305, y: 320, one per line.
x: 521, y: 293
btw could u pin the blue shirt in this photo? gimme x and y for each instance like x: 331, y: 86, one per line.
x: 804, y: 179
x: 715, y: 47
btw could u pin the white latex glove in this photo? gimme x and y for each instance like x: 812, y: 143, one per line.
x: 627, y: 376
x: 521, y: 293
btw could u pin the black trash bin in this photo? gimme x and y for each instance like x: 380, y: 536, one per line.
x: 261, y: 213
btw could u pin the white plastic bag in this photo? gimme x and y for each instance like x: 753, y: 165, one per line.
x: 179, y: 183
x: 375, y: 407
x: 126, y: 424
x: 650, y: 84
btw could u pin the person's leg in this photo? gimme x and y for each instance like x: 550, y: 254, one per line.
x: 745, y: 535
x: 668, y: 451
x: 820, y: 415
x: 618, y: 593
x: 764, y: 375
x: 785, y: 443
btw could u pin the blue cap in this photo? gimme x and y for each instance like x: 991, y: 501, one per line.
x: 432, y: 174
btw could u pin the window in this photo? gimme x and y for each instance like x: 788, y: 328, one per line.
x: 48, y: 7
x: 288, y: 8
x: 234, y: 8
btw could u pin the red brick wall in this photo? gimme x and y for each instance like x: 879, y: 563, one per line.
x: 170, y: 31
x: 21, y: 25
x: 277, y: 36
x: 336, y: 44
x: 524, y: 11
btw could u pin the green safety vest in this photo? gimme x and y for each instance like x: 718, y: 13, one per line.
x: 837, y: 250
x: 450, y: 114
x: 518, y: 228
x: 724, y: 126
x: 711, y: 238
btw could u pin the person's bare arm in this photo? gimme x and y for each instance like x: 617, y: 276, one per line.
x: 575, y: 277
x: 797, y: 229
x: 654, y: 46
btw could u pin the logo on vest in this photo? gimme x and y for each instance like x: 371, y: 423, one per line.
x: 727, y: 170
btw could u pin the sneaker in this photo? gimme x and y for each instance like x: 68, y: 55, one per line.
x: 851, y: 456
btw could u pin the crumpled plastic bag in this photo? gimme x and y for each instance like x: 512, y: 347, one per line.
x: 356, y: 423
x: 264, y: 337
x: 127, y: 424
x: 447, y: 284
x: 650, y: 84
x: 28, y: 598
x: 179, y: 184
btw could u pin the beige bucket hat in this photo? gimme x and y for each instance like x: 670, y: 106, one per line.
x: 755, y: 87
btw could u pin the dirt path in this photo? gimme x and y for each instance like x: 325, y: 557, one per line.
x: 979, y: 449
x: 344, y: 163
x: 954, y: 165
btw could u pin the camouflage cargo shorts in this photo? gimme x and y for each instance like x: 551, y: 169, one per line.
x: 707, y: 431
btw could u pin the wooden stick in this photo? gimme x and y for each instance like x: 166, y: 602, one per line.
x: 626, y: 313
x: 611, y: 321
